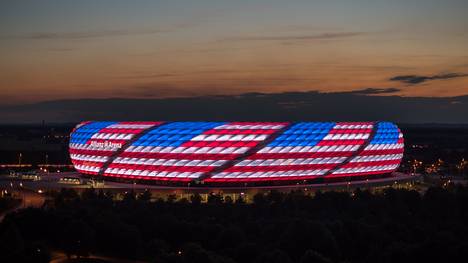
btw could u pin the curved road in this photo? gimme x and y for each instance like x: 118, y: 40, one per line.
x: 29, y: 199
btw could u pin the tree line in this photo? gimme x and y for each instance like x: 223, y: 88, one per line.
x: 395, y: 225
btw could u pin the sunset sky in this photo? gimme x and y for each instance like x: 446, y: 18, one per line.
x: 53, y: 50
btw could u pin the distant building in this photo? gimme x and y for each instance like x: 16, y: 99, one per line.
x: 12, y: 143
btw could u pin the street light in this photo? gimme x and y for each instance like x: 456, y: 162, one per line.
x: 188, y: 189
x: 23, y: 201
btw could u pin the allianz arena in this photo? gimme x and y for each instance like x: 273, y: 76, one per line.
x: 230, y: 153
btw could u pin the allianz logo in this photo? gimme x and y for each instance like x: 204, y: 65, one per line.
x: 106, y: 144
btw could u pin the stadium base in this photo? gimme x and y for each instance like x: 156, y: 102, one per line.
x: 51, y: 182
x: 317, y: 182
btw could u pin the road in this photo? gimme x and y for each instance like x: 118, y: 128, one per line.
x: 29, y: 198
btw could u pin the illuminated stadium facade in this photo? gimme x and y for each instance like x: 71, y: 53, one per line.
x: 232, y: 153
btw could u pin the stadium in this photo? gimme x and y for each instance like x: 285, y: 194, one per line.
x: 218, y: 154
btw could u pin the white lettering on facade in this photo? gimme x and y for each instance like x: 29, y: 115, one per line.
x: 106, y: 144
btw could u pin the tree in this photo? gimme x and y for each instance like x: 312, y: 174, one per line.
x: 214, y: 198
x: 277, y: 256
x: 145, y: 196
x: 38, y: 252
x: 259, y: 199
x: 11, y: 244
x: 109, y: 195
x: 312, y: 256
x: 101, y: 194
x: 194, y: 253
x: 274, y: 197
x: 183, y: 200
x: 230, y: 237
x: 196, y: 199
x: 129, y: 196
x: 171, y: 198
x: 303, y: 234
x: 89, y: 194
x: 156, y: 247
x: 240, y: 200
x: 228, y: 200
x: 78, y: 238
x: 66, y: 195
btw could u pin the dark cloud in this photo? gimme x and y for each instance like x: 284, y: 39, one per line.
x: 374, y: 91
x: 306, y: 27
x: 290, y: 106
x: 417, y: 79
x: 160, y: 90
x: 100, y: 33
x: 264, y: 69
x: 85, y: 34
x: 60, y: 49
x: 149, y: 76
x: 322, y: 36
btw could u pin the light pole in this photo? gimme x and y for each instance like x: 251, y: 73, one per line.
x: 22, y: 195
x: 188, y: 190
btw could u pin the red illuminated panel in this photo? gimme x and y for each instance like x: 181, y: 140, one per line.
x: 93, y: 144
x: 176, y: 151
x: 304, y: 151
